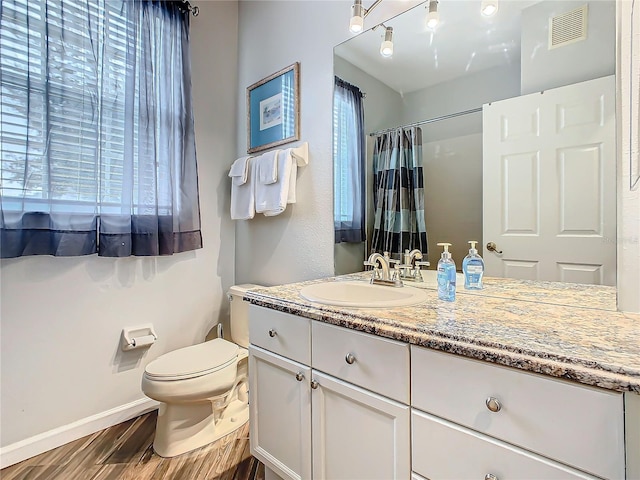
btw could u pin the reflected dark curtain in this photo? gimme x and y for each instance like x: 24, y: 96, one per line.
x: 97, y: 147
x: 348, y: 163
x: 398, y: 195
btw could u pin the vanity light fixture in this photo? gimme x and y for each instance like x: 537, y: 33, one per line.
x: 386, y: 48
x: 358, y: 14
x: 489, y: 7
x: 433, y: 18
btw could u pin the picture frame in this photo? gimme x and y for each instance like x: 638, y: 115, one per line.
x: 273, y: 110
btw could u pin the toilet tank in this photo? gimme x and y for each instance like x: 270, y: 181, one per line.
x: 239, y: 319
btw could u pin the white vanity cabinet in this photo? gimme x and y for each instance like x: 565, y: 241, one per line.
x: 330, y: 422
x: 329, y: 402
x: 509, y: 423
x: 279, y: 413
x: 360, y: 406
x: 280, y: 392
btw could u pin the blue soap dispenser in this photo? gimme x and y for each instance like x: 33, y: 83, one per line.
x: 446, y: 275
x: 473, y: 268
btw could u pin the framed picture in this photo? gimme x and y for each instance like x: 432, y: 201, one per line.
x: 273, y: 110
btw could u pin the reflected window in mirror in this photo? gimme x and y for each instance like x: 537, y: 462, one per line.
x: 348, y: 163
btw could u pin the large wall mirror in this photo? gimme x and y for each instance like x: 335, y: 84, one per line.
x: 516, y: 113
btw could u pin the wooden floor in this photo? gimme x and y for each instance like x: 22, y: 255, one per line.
x: 125, y: 451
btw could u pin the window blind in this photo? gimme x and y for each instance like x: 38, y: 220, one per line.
x: 64, y: 102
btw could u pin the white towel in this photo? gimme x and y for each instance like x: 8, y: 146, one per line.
x: 272, y: 199
x: 268, y: 167
x: 291, y: 197
x: 239, y: 171
x: 243, y: 199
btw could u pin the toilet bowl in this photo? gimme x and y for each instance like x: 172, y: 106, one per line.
x: 202, y: 389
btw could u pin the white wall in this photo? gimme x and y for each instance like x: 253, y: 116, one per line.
x: 61, y: 318
x: 452, y: 194
x: 543, y: 69
x: 458, y: 95
x: 298, y: 244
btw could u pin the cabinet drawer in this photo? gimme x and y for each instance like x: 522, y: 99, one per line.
x: 379, y: 364
x: 444, y: 450
x: 281, y: 333
x: 574, y: 424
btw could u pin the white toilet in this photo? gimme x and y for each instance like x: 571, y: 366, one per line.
x: 202, y: 388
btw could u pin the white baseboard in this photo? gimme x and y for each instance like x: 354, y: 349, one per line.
x: 32, y: 446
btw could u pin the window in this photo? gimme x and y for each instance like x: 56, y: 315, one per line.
x: 96, y: 128
x: 348, y: 162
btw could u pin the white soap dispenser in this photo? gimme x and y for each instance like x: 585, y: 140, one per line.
x: 473, y: 268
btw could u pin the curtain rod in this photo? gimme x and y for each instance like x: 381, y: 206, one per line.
x: 436, y: 119
x: 195, y: 10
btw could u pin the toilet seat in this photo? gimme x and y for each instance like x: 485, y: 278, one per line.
x: 193, y: 361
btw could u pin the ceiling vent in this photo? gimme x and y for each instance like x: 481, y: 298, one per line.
x: 568, y: 27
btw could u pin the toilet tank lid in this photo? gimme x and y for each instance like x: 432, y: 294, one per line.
x: 242, y: 289
x: 193, y: 360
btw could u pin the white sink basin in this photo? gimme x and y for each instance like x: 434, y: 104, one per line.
x: 354, y: 293
x: 430, y: 280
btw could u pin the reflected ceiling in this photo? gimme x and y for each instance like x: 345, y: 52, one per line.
x: 464, y: 42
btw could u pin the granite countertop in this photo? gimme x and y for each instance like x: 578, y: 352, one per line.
x: 562, y: 330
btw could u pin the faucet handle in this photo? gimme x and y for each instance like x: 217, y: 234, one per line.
x: 396, y: 275
x: 425, y: 264
x: 375, y: 271
x: 389, y: 260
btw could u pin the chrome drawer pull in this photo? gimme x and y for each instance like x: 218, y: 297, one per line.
x: 350, y: 359
x: 272, y: 333
x: 299, y: 376
x: 314, y: 384
x: 494, y: 405
x: 490, y: 476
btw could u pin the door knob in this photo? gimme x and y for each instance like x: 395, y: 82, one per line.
x: 350, y: 358
x: 272, y: 333
x: 492, y: 247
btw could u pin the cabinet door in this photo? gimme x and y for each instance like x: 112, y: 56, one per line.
x: 357, y: 434
x: 280, y: 413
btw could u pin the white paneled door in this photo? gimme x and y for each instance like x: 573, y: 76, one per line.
x: 549, y: 184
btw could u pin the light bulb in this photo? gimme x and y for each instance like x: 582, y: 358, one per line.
x: 433, y: 18
x: 386, y: 48
x: 356, y: 24
x: 489, y: 7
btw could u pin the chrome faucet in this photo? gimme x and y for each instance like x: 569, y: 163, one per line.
x: 412, y: 256
x: 376, y: 259
x: 410, y: 269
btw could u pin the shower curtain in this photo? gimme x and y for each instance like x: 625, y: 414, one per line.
x: 398, y: 193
